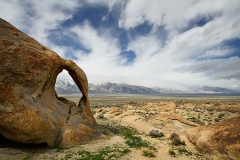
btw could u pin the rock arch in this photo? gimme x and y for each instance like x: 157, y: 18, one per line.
x: 30, y: 110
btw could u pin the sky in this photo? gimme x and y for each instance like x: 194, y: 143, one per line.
x: 178, y: 44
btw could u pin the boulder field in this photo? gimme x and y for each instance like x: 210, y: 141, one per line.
x: 30, y: 109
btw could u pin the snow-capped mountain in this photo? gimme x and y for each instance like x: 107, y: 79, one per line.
x: 120, y: 88
x: 67, y: 86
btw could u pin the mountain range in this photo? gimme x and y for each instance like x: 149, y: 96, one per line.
x: 67, y: 86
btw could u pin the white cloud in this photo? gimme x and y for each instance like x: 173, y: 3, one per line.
x: 218, y: 68
x: 108, y: 3
x: 104, y: 50
x: 170, y: 13
x: 145, y: 47
x: 37, y: 18
x: 217, y: 52
x: 172, y: 64
x: 12, y: 12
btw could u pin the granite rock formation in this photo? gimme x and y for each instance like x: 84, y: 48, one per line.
x: 30, y: 109
x: 221, y: 140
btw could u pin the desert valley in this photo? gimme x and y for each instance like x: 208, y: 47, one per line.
x: 148, y: 127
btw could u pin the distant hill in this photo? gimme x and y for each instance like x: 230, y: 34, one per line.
x: 216, y: 90
x: 67, y: 86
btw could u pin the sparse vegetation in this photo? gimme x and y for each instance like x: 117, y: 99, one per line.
x: 172, y: 153
x: 217, y: 119
x: 148, y: 153
x: 176, y: 141
x: 113, y: 128
x: 102, y: 154
x: 179, y: 151
x: 134, y: 141
x: 129, y: 134
x: 173, y: 136
x: 195, y: 120
x: 184, y: 151
x: 68, y: 156
x: 221, y: 115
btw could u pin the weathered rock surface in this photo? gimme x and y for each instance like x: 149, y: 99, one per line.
x: 220, y: 139
x: 30, y: 110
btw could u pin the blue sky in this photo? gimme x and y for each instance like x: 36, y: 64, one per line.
x: 181, y: 44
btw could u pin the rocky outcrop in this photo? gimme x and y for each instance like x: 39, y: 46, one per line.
x: 30, y: 110
x: 220, y: 139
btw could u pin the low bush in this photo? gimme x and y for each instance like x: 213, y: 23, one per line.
x: 176, y: 141
x: 148, y: 153
x: 195, y: 120
x: 172, y: 153
x: 217, y: 119
x: 221, y: 115
x: 173, y: 136
x: 184, y: 151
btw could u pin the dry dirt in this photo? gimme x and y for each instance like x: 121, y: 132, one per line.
x: 138, y: 117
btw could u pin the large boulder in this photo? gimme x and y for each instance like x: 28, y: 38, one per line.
x: 222, y: 140
x: 30, y: 109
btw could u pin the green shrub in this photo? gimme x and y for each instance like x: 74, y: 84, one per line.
x: 221, y: 115
x: 128, y: 132
x: 172, y: 153
x: 178, y: 142
x: 217, y: 119
x: 184, y: 151
x: 173, y: 136
x: 195, y: 120
x: 134, y: 141
x: 149, y: 153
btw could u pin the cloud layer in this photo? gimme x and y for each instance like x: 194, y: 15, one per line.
x: 166, y: 43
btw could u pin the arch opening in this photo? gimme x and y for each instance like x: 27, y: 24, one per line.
x: 67, y: 88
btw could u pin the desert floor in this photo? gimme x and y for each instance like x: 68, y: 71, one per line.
x: 126, y: 122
